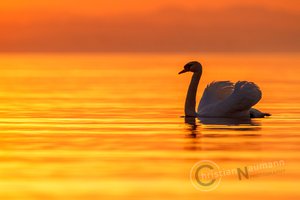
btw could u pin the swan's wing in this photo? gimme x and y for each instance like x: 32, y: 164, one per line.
x: 245, y: 95
x: 216, y: 92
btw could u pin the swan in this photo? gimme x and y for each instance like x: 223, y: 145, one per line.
x: 221, y: 99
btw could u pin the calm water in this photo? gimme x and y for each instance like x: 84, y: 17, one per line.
x: 79, y: 126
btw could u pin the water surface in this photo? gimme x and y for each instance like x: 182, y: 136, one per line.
x: 104, y: 126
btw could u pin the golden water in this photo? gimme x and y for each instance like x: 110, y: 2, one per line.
x: 103, y: 126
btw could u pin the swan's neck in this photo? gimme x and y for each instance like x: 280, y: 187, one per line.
x: 190, y: 101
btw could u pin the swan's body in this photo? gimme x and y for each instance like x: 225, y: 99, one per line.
x: 222, y: 99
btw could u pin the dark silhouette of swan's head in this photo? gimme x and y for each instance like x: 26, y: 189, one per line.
x: 192, y: 66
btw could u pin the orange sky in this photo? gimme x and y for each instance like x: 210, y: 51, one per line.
x: 143, y: 26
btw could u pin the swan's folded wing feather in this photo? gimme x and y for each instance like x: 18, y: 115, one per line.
x: 216, y: 92
x: 245, y: 95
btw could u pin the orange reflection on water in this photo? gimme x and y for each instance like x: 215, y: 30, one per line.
x: 79, y: 126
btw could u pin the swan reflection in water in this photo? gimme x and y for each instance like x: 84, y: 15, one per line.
x: 246, y: 124
x: 204, y: 134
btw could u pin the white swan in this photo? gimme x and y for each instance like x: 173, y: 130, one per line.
x: 222, y: 99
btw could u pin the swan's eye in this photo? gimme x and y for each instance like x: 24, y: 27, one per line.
x: 188, y: 66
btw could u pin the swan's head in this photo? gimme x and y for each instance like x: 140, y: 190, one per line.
x: 193, y: 66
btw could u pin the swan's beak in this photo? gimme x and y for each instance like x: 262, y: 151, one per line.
x: 183, y: 71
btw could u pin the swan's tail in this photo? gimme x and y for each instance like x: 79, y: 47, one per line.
x: 244, y: 97
x: 254, y: 113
